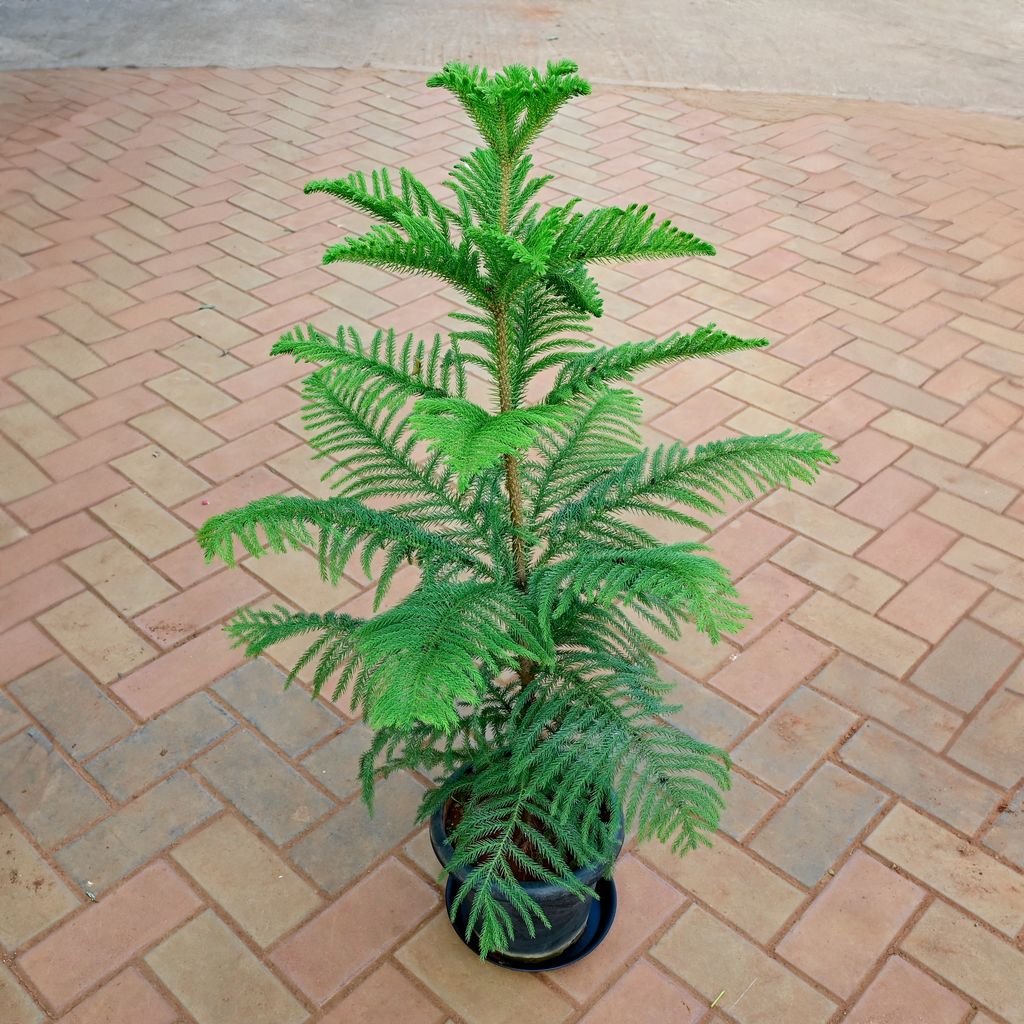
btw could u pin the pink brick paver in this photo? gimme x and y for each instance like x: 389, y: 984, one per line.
x: 154, y: 240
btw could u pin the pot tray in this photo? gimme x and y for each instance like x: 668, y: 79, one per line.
x: 602, y: 914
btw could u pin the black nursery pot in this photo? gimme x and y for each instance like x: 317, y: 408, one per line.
x: 568, y: 914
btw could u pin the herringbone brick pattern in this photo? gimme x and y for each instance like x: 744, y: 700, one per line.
x: 183, y: 843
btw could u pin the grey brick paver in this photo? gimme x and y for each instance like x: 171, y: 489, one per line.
x: 964, y: 666
x: 161, y: 745
x: 289, y: 718
x: 137, y: 832
x: 809, y: 834
x: 792, y: 738
x: 336, y: 764
x: 349, y: 841
x: 920, y: 777
x: 43, y: 791
x: 270, y: 793
x: 81, y: 717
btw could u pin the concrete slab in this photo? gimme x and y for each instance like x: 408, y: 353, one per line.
x: 957, y: 55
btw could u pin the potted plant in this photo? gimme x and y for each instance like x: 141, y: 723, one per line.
x: 520, y: 671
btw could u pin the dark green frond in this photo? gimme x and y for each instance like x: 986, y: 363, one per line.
x: 476, y: 182
x: 674, y: 581
x: 423, y: 250
x: 412, y: 367
x: 743, y: 467
x: 498, y: 841
x: 258, y: 629
x: 626, y: 360
x: 545, y: 333
x: 648, y: 483
x: 433, y: 652
x: 601, y: 639
x: 671, y: 787
x: 361, y: 427
x: 377, y: 197
x: 625, y: 234
x: 336, y: 527
x: 601, y: 430
x: 577, y: 289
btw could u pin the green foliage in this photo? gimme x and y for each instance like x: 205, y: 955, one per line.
x: 419, y: 248
x: 519, y: 663
x: 653, y: 482
x: 622, y: 363
x: 258, y: 629
x: 472, y: 439
x: 379, y: 199
x: 410, y: 367
x: 437, y: 649
x: 511, y: 108
x: 668, y: 583
x: 629, y: 234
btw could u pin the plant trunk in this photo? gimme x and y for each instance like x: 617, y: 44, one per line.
x: 513, y: 486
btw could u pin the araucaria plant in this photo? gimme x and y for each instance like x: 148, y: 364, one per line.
x: 520, y: 669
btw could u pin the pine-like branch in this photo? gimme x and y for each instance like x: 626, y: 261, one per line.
x: 336, y: 527
x: 601, y: 432
x: 545, y: 332
x: 576, y: 288
x: 649, y: 482
x: 433, y: 652
x: 377, y: 197
x: 670, y: 786
x: 625, y: 234
x: 675, y: 582
x: 411, y: 367
x: 471, y: 439
x: 512, y: 107
x: 362, y: 429
x: 476, y: 182
x: 623, y: 362
x: 425, y: 251
x: 258, y: 629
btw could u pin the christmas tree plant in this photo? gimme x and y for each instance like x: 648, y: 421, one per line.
x: 524, y: 654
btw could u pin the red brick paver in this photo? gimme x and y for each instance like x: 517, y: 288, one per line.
x: 154, y: 240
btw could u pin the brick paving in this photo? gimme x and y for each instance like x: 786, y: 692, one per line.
x: 183, y: 843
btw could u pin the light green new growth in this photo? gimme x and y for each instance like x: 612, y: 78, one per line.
x: 523, y: 650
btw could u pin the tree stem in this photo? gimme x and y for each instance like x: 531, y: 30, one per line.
x: 513, y: 485
x: 505, y: 404
x: 512, y: 481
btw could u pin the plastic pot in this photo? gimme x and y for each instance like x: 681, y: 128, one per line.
x: 567, y: 913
